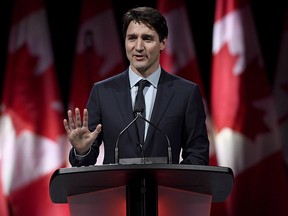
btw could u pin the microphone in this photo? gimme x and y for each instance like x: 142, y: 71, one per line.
x: 138, y: 111
x: 120, y: 134
x: 158, y: 129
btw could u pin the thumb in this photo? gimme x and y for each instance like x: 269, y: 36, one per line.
x: 97, y: 130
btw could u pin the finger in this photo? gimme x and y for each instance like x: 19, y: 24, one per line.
x: 78, y: 122
x: 70, y: 120
x: 97, y: 130
x: 66, y: 126
x: 85, y: 118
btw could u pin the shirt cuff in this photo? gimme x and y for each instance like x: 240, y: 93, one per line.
x: 81, y: 156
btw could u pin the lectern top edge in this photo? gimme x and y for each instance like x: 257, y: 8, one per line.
x: 214, y: 180
x: 110, y: 167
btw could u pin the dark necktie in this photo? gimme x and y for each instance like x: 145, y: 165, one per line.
x: 140, y: 107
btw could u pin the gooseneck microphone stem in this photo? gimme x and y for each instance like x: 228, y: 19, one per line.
x: 139, y: 115
x: 167, y: 139
x: 126, y: 128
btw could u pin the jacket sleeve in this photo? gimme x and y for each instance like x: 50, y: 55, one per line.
x: 196, y: 143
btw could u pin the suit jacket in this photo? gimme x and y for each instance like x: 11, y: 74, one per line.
x: 178, y: 111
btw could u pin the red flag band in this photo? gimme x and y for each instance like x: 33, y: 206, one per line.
x: 243, y: 112
x: 32, y: 139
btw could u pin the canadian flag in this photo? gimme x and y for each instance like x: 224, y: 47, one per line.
x: 98, y: 54
x: 281, y: 89
x: 32, y: 139
x: 243, y: 112
x: 179, y: 57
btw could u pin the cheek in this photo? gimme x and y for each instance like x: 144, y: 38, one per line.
x: 154, y: 52
x: 129, y: 48
x: 126, y: 47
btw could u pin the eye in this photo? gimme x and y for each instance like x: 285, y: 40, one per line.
x: 148, y: 38
x: 131, y: 37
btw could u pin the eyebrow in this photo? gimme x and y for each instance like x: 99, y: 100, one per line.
x: 144, y: 35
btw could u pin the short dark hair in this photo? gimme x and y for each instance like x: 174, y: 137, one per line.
x: 151, y: 17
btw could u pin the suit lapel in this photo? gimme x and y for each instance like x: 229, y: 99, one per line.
x: 162, y: 100
x: 123, y: 98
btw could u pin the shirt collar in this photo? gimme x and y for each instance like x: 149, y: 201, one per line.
x: 152, y: 78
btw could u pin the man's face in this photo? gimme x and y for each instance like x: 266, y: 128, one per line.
x: 143, y: 48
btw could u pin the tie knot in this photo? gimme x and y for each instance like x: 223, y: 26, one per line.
x: 141, y: 84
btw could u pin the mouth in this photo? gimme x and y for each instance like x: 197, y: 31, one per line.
x: 139, y: 57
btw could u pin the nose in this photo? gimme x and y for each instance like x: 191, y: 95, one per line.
x: 139, y: 45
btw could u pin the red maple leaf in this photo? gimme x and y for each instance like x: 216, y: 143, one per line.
x: 234, y: 96
x: 29, y: 97
x: 190, y: 71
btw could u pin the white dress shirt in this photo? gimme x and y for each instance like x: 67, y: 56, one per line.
x: 149, y: 91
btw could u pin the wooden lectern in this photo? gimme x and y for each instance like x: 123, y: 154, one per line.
x: 141, y: 189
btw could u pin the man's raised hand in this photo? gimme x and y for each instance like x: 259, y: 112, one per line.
x: 78, y: 133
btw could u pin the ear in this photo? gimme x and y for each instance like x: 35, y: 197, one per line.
x: 163, y: 44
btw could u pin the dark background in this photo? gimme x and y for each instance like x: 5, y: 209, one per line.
x: 63, y: 18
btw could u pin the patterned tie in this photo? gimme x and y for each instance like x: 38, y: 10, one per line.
x: 140, y: 107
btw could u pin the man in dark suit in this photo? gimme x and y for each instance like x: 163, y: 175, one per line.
x: 172, y: 104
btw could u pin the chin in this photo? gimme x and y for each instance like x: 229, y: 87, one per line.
x: 141, y: 69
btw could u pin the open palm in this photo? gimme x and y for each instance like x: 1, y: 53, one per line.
x: 80, y: 137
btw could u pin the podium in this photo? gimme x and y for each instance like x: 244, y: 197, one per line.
x: 141, y: 189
